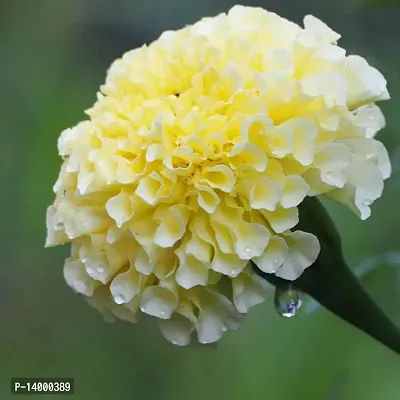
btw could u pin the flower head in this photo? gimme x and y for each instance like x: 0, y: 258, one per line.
x: 194, y: 159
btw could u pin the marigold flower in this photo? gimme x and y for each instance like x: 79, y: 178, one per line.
x: 194, y: 159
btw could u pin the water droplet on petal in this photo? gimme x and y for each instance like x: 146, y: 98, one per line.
x: 224, y: 328
x: 367, y: 202
x: 84, y: 260
x: 80, y: 286
x: 330, y: 175
x: 162, y: 314
x: 234, y: 272
x: 248, y: 253
x: 119, y: 299
x: 100, y: 270
x: 287, y: 301
x: 89, y: 270
x: 203, y: 342
x: 59, y: 226
x: 143, y: 309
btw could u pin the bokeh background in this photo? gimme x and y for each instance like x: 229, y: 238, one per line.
x: 54, y: 55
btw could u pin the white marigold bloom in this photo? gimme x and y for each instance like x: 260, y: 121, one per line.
x: 194, y: 159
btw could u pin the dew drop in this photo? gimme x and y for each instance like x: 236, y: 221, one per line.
x: 248, y: 252
x: 162, y: 314
x: 143, y: 309
x: 89, y: 270
x: 287, y: 301
x: 84, y: 260
x: 100, y: 269
x: 59, y: 226
x: 367, y: 202
x: 330, y: 176
x: 80, y: 286
x: 233, y: 272
x: 119, y: 299
x: 224, y: 328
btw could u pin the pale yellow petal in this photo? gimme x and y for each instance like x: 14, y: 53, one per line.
x: 278, y: 59
x: 172, y: 227
x: 281, y: 141
x: 320, y: 30
x: 199, y: 248
x: 191, y: 272
x: 180, y: 160
x: 228, y: 264
x: 124, y: 287
x: 120, y: 208
x: 303, y: 251
x: 255, y: 125
x: 217, y: 314
x: 330, y: 84
x: 55, y: 228
x: 265, y: 194
x: 207, y: 198
x: 249, y: 290
x: 374, y: 151
x: 251, y: 240
x: 247, y: 154
x: 219, y: 177
x: 159, y: 302
x: 274, y: 255
x: 371, y: 118
x: 77, y: 278
x: 304, y: 134
x: 296, y: 189
x: 282, y: 219
x: 177, y: 330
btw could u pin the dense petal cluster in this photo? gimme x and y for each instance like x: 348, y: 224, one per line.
x: 194, y: 159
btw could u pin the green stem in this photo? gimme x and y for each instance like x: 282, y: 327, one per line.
x: 342, y: 294
x: 331, y: 282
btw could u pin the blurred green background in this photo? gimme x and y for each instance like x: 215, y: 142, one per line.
x: 54, y: 55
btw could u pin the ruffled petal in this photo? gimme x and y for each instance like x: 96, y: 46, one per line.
x: 274, y: 255
x: 248, y: 290
x: 177, y: 330
x: 159, y: 302
x: 303, y: 251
